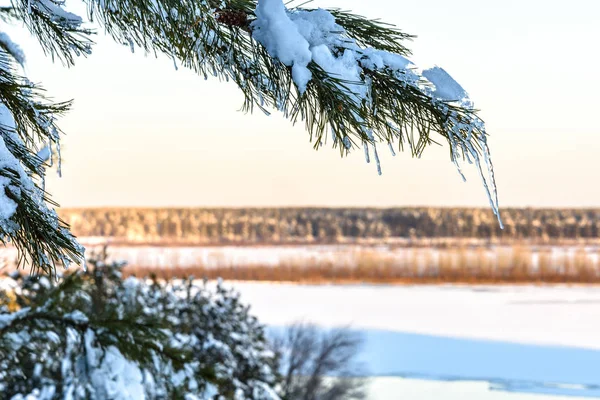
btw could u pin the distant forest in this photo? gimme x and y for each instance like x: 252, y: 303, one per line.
x: 328, y: 225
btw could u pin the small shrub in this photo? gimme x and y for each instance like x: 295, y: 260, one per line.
x: 320, y: 365
x: 93, y: 335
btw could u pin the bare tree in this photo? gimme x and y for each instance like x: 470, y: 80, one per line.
x: 320, y: 365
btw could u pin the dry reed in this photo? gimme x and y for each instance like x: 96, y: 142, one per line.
x: 506, y: 265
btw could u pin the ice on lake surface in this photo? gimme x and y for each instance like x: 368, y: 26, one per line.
x: 391, y: 388
x: 512, y: 341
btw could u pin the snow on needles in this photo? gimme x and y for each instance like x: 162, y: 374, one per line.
x: 446, y: 88
x: 12, y: 48
x: 57, y: 13
x: 300, y: 37
x: 297, y: 37
x: 8, y: 161
x: 19, y: 166
x: 280, y: 36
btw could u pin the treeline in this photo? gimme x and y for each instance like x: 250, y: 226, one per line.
x: 328, y: 225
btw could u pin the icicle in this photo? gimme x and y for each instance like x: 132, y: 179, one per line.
x: 454, y: 155
x: 366, y: 147
x: 59, y: 167
x: 51, y: 159
x: 44, y: 154
x: 131, y: 45
x: 457, y: 165
x: 347, y: 142
x: 492, y: 197
x: 468, y: 158
x: 84, y: 262
x: 470, y: 133
x: 66, y: 262
x: 333, y: 136
x: 377, y: 160
x: 458, y: 140
x: 490, y: 169
x: 453, y: 146
x: 486, y: 186
x: 175, y: 63
x: 56, y: 139
x: 392, y: 149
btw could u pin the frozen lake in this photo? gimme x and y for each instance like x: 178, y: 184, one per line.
x: 390, y: 388
x: 504, y: 342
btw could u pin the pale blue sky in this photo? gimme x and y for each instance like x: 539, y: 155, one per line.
x: 143, y: 134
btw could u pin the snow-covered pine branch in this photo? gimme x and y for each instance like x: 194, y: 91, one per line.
x: 28, y: 135
x: 344, y: 76
x: 93, y: 335
x: 341, y: 74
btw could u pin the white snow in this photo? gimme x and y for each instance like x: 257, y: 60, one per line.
x: 7, y: 205
x: 58, y: 13
x: 45, y: 153
x: 7, y: 319
x: 76, y: 316
x: 318, y: 27
x: 446, y: 88
x: 379, y: 59
x: 280, y: 36
x: 527, y: 339
x: 12, y: 48
x: 300, y: 36
x: 539, y: 315
x: 112, y: 375
x: 297, y: 37
x: 8, y: 160
x: 344, y: 68
x: 387, y: 388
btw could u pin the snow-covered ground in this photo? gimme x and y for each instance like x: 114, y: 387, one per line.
x: 527, y: 339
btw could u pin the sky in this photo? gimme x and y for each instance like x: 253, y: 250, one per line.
x: 142, y: 133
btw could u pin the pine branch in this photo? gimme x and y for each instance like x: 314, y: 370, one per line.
x: 372, y: 33
x: 217, y: 38
x: 375, y: 97
x: 8, y: 14
x: 59, y: 32
x: 42, y: 239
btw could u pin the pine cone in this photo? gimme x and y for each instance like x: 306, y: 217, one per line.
x: 232, y: 18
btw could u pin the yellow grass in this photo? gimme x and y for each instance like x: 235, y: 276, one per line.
x: 478, y: 265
